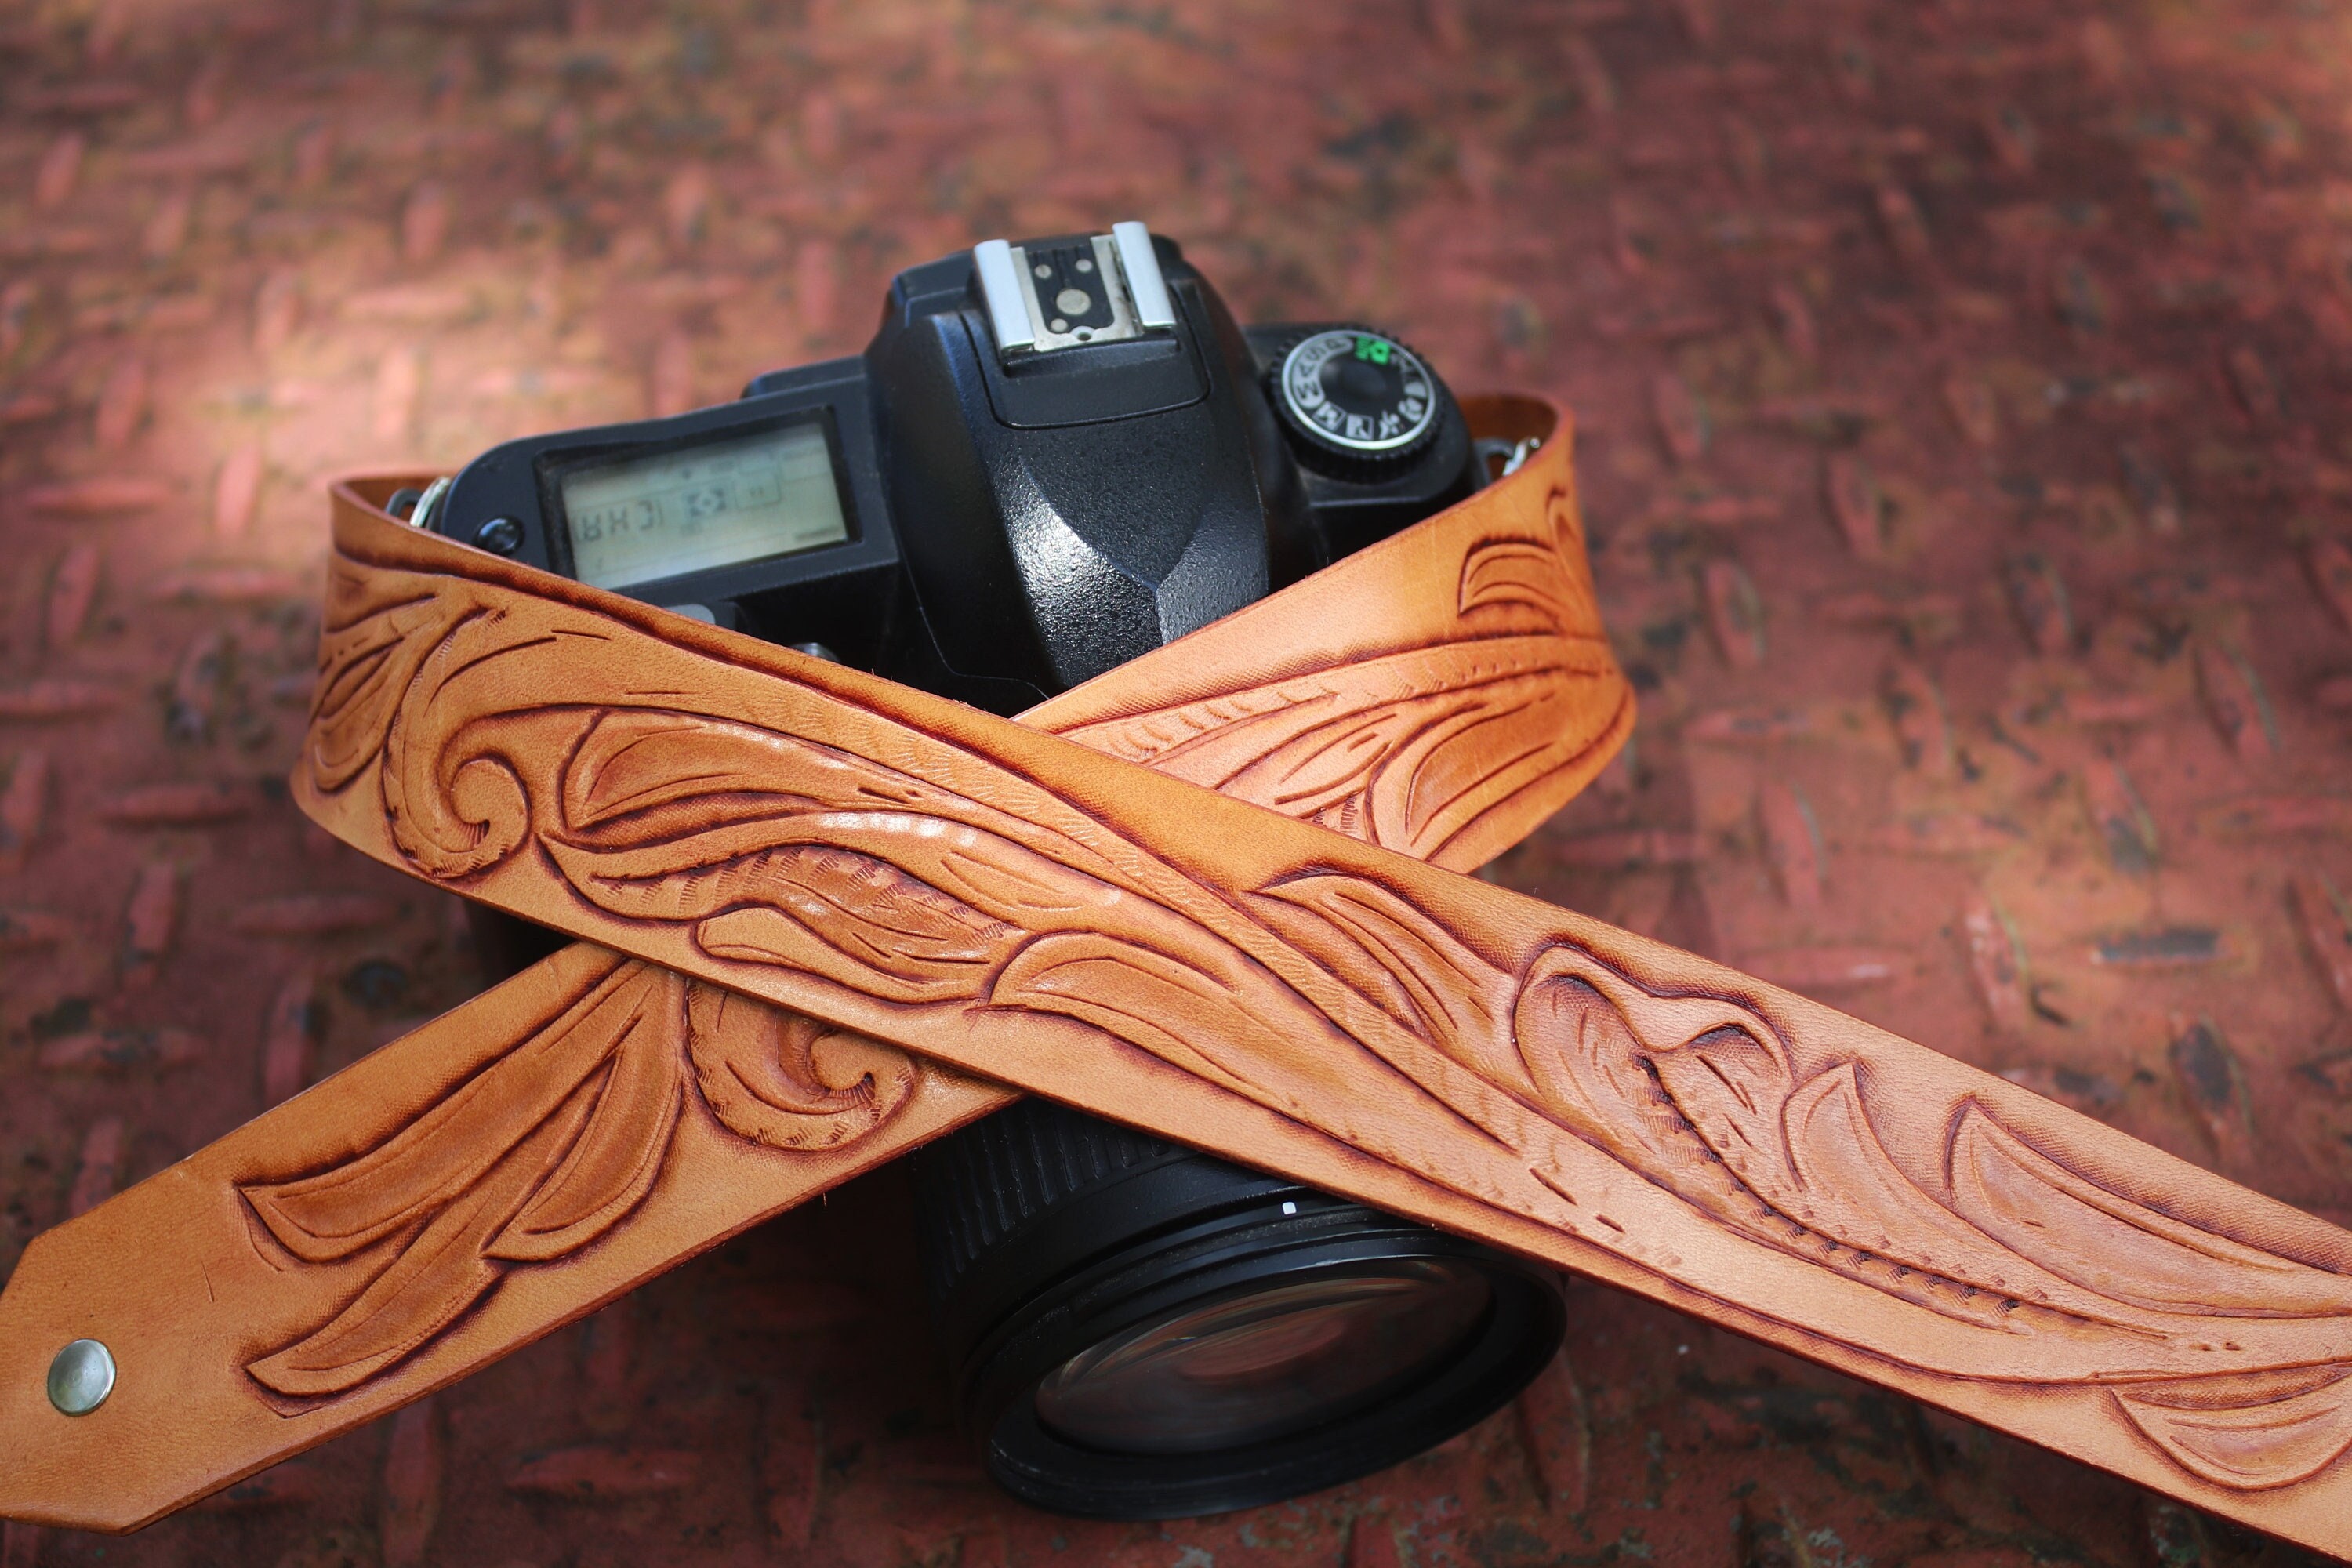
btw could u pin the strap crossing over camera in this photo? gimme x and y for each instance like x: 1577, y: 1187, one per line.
x: 852, y: 910
x: 1067, y: 370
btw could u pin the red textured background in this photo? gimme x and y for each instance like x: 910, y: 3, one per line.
x: 1962, y: 392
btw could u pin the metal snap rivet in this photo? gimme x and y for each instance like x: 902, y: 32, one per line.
x: 81, y: 1377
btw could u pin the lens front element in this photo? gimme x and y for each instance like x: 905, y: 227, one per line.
x: 1265, y: 1364
x: 1140, y: 1331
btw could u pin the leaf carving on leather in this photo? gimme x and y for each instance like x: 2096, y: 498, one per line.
x: 377, y: 629
x: 1556, y: 1041
x: 650, y: 775
x: 2024, y: 1246
x: 2117, y: 1248
x: 1193, y: 1001
x: 1490, y: 741
x: 611, y: 1165
x: 443, y: 1270
x: 1408, y: 746
x: 1405, y: 750
x: 1849, y: 1191
x: 548, y: 1148
x: 534, y: 1157
x: 1426, y: 986
x: 1196, y: 1004
x: 1802, y: 1166
x: 449, y: 1149
x: 839, y: 866
x: 916, y: 904
x: 1531, y: 576
x: 1334, y: 1001
x: 2256, y: 1432
x: 1703, y: 1095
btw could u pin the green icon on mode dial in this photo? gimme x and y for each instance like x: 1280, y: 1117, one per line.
x: 1355, y: 393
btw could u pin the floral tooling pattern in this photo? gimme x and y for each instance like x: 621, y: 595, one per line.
x: 788, y: 827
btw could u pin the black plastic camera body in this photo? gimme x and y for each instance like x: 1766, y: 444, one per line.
x: 1011, y: 522
x: 1056, y: 456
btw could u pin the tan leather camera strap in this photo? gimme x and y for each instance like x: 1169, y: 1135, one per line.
x: 832, y: 916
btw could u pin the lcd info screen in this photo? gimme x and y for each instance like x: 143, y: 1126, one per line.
x: 693, y: 508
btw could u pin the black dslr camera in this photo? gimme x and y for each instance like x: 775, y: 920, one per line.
x: 1053, y: 456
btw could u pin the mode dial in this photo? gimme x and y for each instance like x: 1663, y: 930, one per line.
x: 1358, y: 402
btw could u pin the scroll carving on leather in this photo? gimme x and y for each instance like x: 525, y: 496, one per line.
x: 1399, y: 748
x: 924, y: 875
x: 1405, y: 749
x: 1492, y: 706
x: 820, y: 881
x: 550, y: 1146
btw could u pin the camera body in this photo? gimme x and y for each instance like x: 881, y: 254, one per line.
x: 1053, y: 456
x: 993, y: 519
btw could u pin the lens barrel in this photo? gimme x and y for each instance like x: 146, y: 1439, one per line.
x: 1140, y: 1332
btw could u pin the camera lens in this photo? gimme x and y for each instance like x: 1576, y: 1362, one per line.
x: 1265, y: 1364
x: 1138, y: 1331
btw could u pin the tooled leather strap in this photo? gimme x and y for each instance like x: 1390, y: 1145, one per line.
x: 832, y: 914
